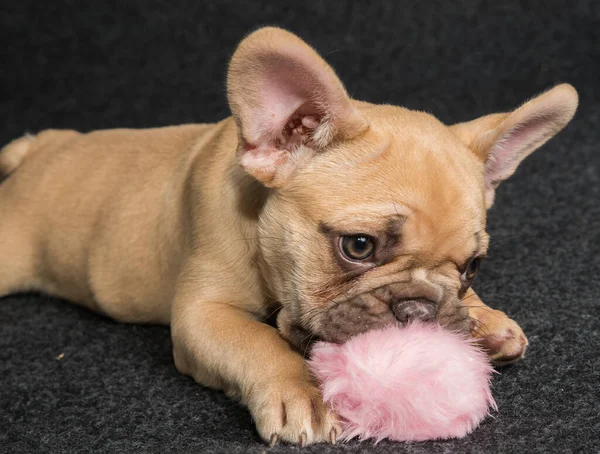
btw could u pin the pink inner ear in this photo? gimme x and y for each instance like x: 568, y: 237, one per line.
x: 515, y: 145
x: 288, y: 111
x: 278, y: 105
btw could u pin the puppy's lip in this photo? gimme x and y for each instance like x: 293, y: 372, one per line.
x: 341, y: 337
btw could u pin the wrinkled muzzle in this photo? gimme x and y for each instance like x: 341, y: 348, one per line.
x: 392, y: 304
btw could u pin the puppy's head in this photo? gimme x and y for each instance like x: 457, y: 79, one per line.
x: 377, y: 213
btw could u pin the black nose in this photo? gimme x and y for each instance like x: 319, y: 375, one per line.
x: 414, y: 310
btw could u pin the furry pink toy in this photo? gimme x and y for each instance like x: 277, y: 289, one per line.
x: 414, y: 383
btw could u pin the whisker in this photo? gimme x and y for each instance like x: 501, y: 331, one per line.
x: 310, y: 337
x: 464, y: 298
x: 489, y: 309
x: 480, y: 327
x: 497, y: 240
x: 277, y: 309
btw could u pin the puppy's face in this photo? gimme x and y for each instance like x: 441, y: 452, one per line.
x: 377, y: 213
x: 386, y: 227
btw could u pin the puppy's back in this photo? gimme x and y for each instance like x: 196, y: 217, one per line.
x: 95, y: 218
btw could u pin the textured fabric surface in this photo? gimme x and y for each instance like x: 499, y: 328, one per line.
x: 72, y: 381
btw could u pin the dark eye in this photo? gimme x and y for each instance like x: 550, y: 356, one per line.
x: 357, y: 247
x: 471, y: 269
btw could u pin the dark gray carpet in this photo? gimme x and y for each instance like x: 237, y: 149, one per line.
x: 90, y: 65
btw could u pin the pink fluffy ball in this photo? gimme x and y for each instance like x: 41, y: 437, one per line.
x: 414, y: 383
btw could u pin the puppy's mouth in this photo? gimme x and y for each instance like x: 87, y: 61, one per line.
x: 344, y: 319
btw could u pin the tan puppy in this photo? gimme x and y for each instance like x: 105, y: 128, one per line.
x: 346, y: 215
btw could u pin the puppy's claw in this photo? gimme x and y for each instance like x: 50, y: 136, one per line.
x: 333, y: 436
x: 291, y: 410
x: 302, y: 439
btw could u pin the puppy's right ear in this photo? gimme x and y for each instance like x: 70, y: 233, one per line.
x: 503, y: 140
x: 287, y: 103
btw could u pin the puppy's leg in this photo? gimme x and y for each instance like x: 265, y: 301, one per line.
x: 224, y: 347
x: 16, y: 253
x: 19, y: 252
x: 501, y: 336
x: 16, y: 250
x: 16, y: 267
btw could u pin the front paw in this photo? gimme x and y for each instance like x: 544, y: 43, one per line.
x: 500, y: 336
x: 292, y: 410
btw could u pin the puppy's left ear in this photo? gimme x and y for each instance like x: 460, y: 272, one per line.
x: 287, y: 102
x: 503, y: 140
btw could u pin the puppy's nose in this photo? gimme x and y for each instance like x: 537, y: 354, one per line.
x: 414, y: 310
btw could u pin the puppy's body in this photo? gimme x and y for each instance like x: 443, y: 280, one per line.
x: 131, y: 189
x: 148, y: 202
x: 208, y: 228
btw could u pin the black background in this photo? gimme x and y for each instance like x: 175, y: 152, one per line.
x: 92, y: 65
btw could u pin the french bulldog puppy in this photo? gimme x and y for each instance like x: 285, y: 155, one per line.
x: 343, y: 216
